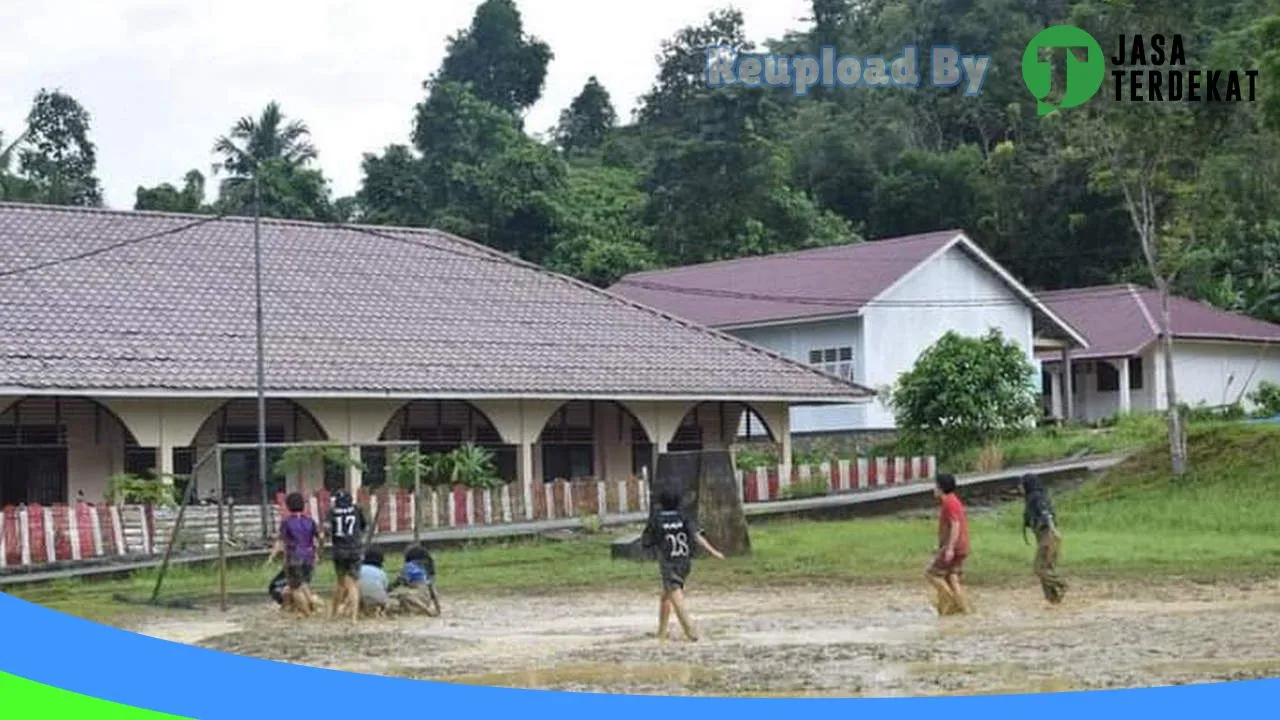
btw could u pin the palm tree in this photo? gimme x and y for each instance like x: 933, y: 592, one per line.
x: 266, y: 139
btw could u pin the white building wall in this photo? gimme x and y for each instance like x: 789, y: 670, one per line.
x: 794, y: 341
x: 912, y: 317
x: 1217, y: 373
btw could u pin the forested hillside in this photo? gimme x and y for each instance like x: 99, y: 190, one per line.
x: 701, y: 174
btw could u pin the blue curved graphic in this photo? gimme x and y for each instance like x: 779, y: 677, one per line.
x: 60, y: 651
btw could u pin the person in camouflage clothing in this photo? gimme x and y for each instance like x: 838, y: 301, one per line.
x: 1037, y: 515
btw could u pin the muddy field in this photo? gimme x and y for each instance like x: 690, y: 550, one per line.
x: 830, y: 641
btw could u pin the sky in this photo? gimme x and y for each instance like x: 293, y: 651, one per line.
x: 162, y: 80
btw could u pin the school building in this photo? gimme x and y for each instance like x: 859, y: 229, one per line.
x: 128, y: 343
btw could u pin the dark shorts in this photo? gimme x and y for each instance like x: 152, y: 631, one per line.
x: 674, y: 575
x: 299, y: 574
x: 942, y: 569
x: 346, y: 565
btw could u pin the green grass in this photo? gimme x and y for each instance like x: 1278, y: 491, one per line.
x: 1048, y: 444
x: 1221, y: 521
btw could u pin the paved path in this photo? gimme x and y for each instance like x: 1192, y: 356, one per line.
x: 525, y: 529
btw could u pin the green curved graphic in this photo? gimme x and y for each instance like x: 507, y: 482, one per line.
x: 22, y: 699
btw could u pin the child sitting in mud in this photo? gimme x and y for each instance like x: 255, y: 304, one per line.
x: 670, y: 532
x: 413, y: 591
x: 1037, y: 515
x: 371, y: 582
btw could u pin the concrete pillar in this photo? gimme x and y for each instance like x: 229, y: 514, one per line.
x: 355, y: 476
x: 1068, y: 384
x: 1055, y: 394
x: 1157, y: 385
x: 524, y: 474
x: 1122, y: 369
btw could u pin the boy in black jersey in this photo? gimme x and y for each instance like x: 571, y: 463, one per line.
x: 670, y: 531
x: 346, y: 527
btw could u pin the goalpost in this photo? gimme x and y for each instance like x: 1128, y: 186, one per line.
x: 207, y: 524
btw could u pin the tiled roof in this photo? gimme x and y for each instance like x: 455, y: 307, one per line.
x: 1121, y: 320
x: 348, y: 311
x: 796, y: 285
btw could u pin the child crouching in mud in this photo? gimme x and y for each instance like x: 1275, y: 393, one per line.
x: 670, y: 531
x: 1037, y: 514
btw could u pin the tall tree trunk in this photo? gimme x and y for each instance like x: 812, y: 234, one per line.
x: 1177, y: 433
x: 1142, y: 209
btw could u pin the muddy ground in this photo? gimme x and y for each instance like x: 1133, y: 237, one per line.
x: 823, y: 641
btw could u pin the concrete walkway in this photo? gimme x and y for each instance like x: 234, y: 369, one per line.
x: 452, y: 535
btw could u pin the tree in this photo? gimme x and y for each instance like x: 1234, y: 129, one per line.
x: 682, y: 66
x: 1152, y: 153
x: 12, y: 187
x: 167, y: 198
x: 476, y: 174
x: 496, y: 59
x: 586, y: 123
x: 601, y: 235
x: 965, y: 391
x: 56, y: 157
x: 265, y: 138
x: 279, y: 153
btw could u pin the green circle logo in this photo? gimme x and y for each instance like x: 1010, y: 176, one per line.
x: 1083, y: 77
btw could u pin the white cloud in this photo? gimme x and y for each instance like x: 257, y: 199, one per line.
x: 163, y: 79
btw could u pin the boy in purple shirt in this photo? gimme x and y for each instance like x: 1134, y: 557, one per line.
x: 299, y: 540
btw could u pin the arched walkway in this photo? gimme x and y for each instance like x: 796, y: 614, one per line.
x: 236, y: 422
x: 57, y: 449
x: 720, y: 425
x: 597, y: 439
x: 441, y: 426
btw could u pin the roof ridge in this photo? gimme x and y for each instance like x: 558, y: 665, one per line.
x: 795, y: 253
x: 215, y: 217
x: 615, y: 297
x: 1146, y: 311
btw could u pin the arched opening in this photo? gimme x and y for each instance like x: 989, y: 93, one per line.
x: 236, y: 422
x: 54, y: 449
x: 440, y: 426
x: 720, y: 425
x: 593, y: 439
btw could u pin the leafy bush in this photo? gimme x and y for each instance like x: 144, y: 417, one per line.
x: 300, y: 459
x: 468, y: 465
x: 1267, y: 399
x: 808, y: 488
x: 965, y: 392
x: 124, y: 488
x: 1203, y: 413
x: 750, y: 459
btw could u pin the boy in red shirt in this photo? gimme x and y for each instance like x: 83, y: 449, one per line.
x: 953, y: 547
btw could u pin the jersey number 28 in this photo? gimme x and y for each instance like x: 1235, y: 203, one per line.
x: 677, y: 545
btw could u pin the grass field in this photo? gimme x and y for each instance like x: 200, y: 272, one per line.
x: 1222, y: 521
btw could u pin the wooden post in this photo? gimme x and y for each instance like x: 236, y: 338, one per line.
x: 417, y: 501
x: 222, y: 559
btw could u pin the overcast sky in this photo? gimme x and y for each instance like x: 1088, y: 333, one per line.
x: 163, y: 79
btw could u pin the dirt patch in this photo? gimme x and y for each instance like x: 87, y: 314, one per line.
x: 798, y: 641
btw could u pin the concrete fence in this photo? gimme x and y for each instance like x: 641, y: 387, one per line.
x: 40, y: 535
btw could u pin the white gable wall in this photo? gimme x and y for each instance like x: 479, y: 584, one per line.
x: 1216, y: 373
x: 794, y: 341
x: 912, y: 316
